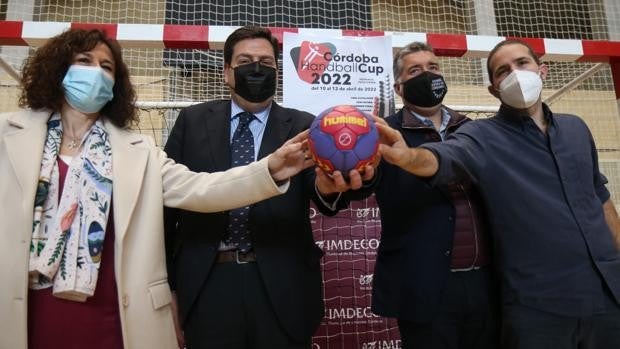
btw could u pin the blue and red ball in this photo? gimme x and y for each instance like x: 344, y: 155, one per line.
x: 343, y: 138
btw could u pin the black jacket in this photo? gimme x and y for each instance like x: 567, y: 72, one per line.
x: 287, y: 256
x: 414, y: 257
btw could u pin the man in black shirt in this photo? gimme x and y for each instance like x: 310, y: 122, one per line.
x: 555, y: 227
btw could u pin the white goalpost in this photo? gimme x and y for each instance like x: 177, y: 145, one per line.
x: 174, y: 52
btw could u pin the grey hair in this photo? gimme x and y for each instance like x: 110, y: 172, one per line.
x: 410, y: 48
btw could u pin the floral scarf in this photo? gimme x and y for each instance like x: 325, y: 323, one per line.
x: 67, y: 235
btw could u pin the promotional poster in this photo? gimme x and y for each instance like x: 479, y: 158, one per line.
x: 350, y: 241
x: 320, y: 72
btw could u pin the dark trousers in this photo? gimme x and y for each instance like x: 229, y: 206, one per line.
x: 234, y: 312
x: 466, y: 319
x: 527, y: 328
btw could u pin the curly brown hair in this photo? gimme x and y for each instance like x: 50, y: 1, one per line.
x: 43, y: 72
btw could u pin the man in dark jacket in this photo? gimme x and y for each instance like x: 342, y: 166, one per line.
x: 555, y: 228
x: 250, y: 277
x: 432, y: 271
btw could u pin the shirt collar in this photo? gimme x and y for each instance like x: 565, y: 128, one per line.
x: 445, y: 119
x: 509, y: 114
x: 261, y: 116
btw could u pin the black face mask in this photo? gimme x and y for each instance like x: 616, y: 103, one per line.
x: 255, y: 82
x: 425, y: 90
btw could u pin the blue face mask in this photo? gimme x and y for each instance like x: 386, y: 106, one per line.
x: 87, y: 88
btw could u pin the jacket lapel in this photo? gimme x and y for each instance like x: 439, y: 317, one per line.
x: 217, y: 123
x: 276, y: 131
x: 128, y: 165
x: 25, y: 150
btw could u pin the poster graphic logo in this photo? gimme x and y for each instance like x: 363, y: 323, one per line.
x: 384, y: 344
x: 365, y: 279
x: 311, y: 54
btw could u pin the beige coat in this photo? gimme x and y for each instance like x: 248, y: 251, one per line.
x: 144, y: 181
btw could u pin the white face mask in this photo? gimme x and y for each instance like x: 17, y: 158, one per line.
x: 521, y: 89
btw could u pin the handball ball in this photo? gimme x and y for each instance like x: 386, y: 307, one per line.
x: 343, y: 138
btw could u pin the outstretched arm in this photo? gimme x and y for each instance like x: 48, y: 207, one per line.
x: 421, y: 162
x: 236, y: 187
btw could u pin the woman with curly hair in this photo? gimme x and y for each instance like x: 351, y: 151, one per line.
x: 81, y: 240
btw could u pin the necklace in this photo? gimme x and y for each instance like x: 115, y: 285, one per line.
x: 73, y: 143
